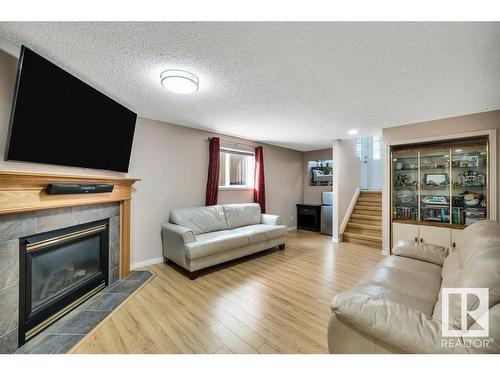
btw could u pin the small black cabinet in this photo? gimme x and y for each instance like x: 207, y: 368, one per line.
x: 309, y: 217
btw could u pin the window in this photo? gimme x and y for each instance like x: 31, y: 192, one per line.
x: 359, y: 148
x: 320, y: 172
x: 236, y: 169
x: 376, y: 148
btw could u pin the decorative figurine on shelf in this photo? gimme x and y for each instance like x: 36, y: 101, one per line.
x: 404, y: 180
x: 469, y: 161
x: 433, y: 164
x: 436, y: 179
x: 406, y: 196
x: 472, y: 198
x: 471, y: 178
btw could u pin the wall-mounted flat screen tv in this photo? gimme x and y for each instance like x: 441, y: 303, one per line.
x: 58, y: 119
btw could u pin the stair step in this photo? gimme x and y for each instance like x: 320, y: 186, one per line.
x: 366, y: 217
x: 367, y: 207
x: 375, y: 214
x: 374, y: 233
x: 365, y: 226
x: 362, y: 211
x: 359, y: 241
x: 362, y: 237
x: 377, y: 220
x: 369, y: 199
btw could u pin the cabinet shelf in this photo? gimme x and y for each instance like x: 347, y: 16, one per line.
x: 430, y: 224
x: 438, y: 164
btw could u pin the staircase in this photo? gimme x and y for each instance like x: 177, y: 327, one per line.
x: 365, y: 224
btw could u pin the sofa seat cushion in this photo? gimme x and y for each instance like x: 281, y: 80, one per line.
x: 261, y: 232
x: 410, y: 282
x: 215, y: 242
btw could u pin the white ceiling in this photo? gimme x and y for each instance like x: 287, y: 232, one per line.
x: 298, y: 85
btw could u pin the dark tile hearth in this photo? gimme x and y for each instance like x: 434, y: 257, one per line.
x: 15, y: 226
x: 65, y: 333
x: 47, y: 343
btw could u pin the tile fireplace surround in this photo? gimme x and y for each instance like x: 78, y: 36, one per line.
x: 25, y: 209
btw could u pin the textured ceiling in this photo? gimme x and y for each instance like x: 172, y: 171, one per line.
x: 298, y: 85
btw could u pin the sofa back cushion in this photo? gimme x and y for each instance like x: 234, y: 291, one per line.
x: 479, y: 256
x: 200, y: 219
x: 449, y: 275
x: 240, y: 215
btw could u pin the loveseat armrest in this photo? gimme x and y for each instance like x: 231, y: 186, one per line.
x: 395, y: 324
x: 422, y: 251
x: 174, y: 240
x: 271, y: 219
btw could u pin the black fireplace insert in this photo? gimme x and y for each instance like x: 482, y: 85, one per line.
x: 59, y: 270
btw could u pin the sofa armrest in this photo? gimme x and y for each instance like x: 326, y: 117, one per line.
x: 271, y: 219
x: 422, y: 251
x: 393, y: 323
x: 174, y: 240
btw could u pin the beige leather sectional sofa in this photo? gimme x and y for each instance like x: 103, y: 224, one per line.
x: 200, y: 237
x: 398, y: 307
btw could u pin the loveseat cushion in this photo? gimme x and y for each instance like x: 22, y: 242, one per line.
x: 422, y: 251
x: 405, y: 281
x: 200, y: 219
x: 261, y: 232
x: 214, y: 243
x: 240, y: 215
x: 478, y: 252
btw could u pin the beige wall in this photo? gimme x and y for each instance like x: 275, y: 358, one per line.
x: 439, y: 128
x: 312, y: 194
x: 172, y: 163
x: 346, y: 179
x: 175, y: 173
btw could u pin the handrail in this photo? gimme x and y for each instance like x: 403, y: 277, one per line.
x: 349, y: 210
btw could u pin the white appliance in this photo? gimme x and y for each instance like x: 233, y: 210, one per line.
x: 326, y: 212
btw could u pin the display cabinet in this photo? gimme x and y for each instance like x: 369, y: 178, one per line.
x: 440, y: 185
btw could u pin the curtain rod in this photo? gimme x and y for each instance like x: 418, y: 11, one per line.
x: 234, y: 143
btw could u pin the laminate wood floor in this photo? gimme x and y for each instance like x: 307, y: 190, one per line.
x: 277, y: 302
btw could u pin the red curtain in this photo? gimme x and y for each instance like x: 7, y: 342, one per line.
x: 259, y: 191
x: 212, y: 191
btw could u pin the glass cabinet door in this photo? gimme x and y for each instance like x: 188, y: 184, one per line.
x: 469, y: 169
x: 435, y: 185
x: 405, y: 183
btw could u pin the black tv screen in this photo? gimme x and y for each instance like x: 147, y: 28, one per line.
x: 58, y: 119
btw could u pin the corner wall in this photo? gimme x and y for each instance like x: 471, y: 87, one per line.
x: 346, y: 179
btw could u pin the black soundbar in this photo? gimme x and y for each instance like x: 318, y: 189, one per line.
x: 79, y: 188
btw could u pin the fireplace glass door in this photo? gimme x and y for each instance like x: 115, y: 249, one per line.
x: 60, y: 270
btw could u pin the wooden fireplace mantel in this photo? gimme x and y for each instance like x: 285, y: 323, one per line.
x: 26, y: 191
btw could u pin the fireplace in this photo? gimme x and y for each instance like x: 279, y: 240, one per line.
x: 59, y: 270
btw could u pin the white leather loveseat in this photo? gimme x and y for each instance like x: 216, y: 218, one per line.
x: 397, y: 308
x: 200, y: 237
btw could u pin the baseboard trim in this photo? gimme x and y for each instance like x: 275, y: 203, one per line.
x: 147, y: 262
x: 291, y: 228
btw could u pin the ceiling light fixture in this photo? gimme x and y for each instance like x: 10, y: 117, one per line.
x: 352, y: 132
x: 179, y: 81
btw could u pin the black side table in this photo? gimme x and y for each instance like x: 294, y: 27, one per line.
x: 309, y: 217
